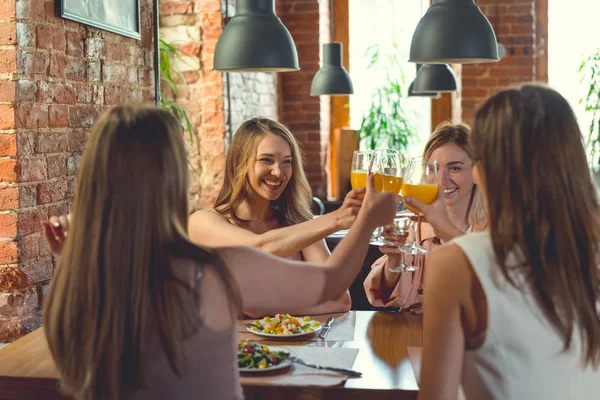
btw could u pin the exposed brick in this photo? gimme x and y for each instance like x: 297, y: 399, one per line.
x: 27, y: 195
x: 58, y: 116
x: 57, y: 167
x: 51, y: 142
x: 8, y: 34
x: 9, y: 198
x: 67, y: 67
x: 8, y: 170
x: 8, y: 145
x: 31, y: 170
x: 8, y: 61
x: 28, y: 247
x: 30, y: 63
x: 8, y: 255
x: 55, y: 92
x: 170, y: 8
x: 30, y: 10
x: 7, y: 116
x: 25, y: 34
x: 31, y: 221
x: 11, y: 304
x: 10, y: 329
x: 77, y: 140
x: 75, y: 42
x: 53, y: 191
x: 114, y: 73
x: 31, y: 116
x: 25, y: 143
x: 25, y: 90
x: 83, y: 116
x: 38, y: 270
x: 73, y: 163
x: 50, y: 38
x: 8, y: 91
x: 7, y: 11
x: 8, y: 225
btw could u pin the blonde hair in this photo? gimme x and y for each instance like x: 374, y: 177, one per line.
x: 117, y: 284
x: 458, y: 134
x: 529, y: 150
x: 293, y: 206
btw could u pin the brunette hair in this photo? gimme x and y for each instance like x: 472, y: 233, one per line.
x: 458, y: 134
x: 293, y: 206
x: 542, y: 206
x: 118, y: 282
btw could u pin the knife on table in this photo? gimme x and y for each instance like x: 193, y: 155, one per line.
x: 326, y: 328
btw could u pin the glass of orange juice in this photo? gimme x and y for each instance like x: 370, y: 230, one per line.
x: 361, y: 160
x: 421, y: 183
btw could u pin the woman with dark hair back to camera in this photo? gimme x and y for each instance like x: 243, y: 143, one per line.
x: 136, y: 311
x: 514, y: 312
x: 265, y: 203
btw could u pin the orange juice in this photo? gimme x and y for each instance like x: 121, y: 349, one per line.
x: 358, y: 179
x: 387, y: 183
x: 425, y: 193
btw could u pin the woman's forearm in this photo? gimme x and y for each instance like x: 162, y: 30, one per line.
x: 390, y: 279
x: 290, y: 240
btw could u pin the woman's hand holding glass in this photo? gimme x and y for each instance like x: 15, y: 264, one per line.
x: 420, y: 183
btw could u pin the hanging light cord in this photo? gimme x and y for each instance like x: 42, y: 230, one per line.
x: 331, y: 19
x: 228, y: 87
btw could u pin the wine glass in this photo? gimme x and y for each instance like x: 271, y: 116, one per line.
x: 421, y: 183
x: 402, y: 224
x: 387, y: 169
x: 361, y: 160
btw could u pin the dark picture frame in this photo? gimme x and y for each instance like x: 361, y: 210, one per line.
x: 118, y: 16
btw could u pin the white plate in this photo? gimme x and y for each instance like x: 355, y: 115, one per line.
x: 284, y: 364
x: 317, y: 329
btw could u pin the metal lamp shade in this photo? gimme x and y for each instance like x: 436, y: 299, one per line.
x: 453, y: 32
x: 332, y: 79
x: 435, y: 78
x: 255, y: 40
x: 412, y: 93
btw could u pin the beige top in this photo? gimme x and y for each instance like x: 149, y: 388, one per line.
x: 406, y: 291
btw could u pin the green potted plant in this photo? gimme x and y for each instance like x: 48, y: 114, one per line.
x: 386, y: 124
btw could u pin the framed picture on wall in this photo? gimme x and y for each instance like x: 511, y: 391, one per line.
x: 118, y: 16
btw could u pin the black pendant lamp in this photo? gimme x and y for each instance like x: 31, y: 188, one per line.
x: 412, y: 93
x: 435, y: 78
x: 332, y: 79
x: 255, y: 40
x: 453, y: 32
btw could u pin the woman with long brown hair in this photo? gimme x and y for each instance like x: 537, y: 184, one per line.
x: 514, y: 313
x: 456, y: 210
x: 265, y: 203
x: 136, y: 311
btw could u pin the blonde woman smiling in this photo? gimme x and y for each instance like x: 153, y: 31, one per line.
x: 265, y: 203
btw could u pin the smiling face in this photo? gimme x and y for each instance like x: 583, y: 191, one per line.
x: 272, y: 169
x: 454, y: 173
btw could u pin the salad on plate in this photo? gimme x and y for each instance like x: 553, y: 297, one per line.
x: 284, y: 324
x: 255, y: 357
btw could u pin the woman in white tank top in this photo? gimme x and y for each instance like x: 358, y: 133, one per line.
x: 513, y: 313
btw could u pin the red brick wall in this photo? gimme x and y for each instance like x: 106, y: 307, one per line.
x: 514, y: 24
x: 56, y: 77
x: 194, y: 27
x: 297, y: 108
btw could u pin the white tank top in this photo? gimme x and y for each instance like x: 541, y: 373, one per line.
x: 521, y: 356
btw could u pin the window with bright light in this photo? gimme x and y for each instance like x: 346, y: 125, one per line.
x: 572, y: 37
x: 383, y: 23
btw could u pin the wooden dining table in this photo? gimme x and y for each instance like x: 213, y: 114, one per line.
x: 28, y: 372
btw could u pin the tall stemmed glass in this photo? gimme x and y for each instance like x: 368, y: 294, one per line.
x: 361, y: 160
x: 421, y: 183
x: 387, y: 169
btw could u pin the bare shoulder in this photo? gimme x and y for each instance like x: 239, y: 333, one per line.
x: 206, y: 216
x: 448, y: 270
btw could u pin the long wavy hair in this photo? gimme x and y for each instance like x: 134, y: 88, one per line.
x: 458, y: 134
x: 126, y: 272
x: 542, y: 204
x: 293, y: 206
